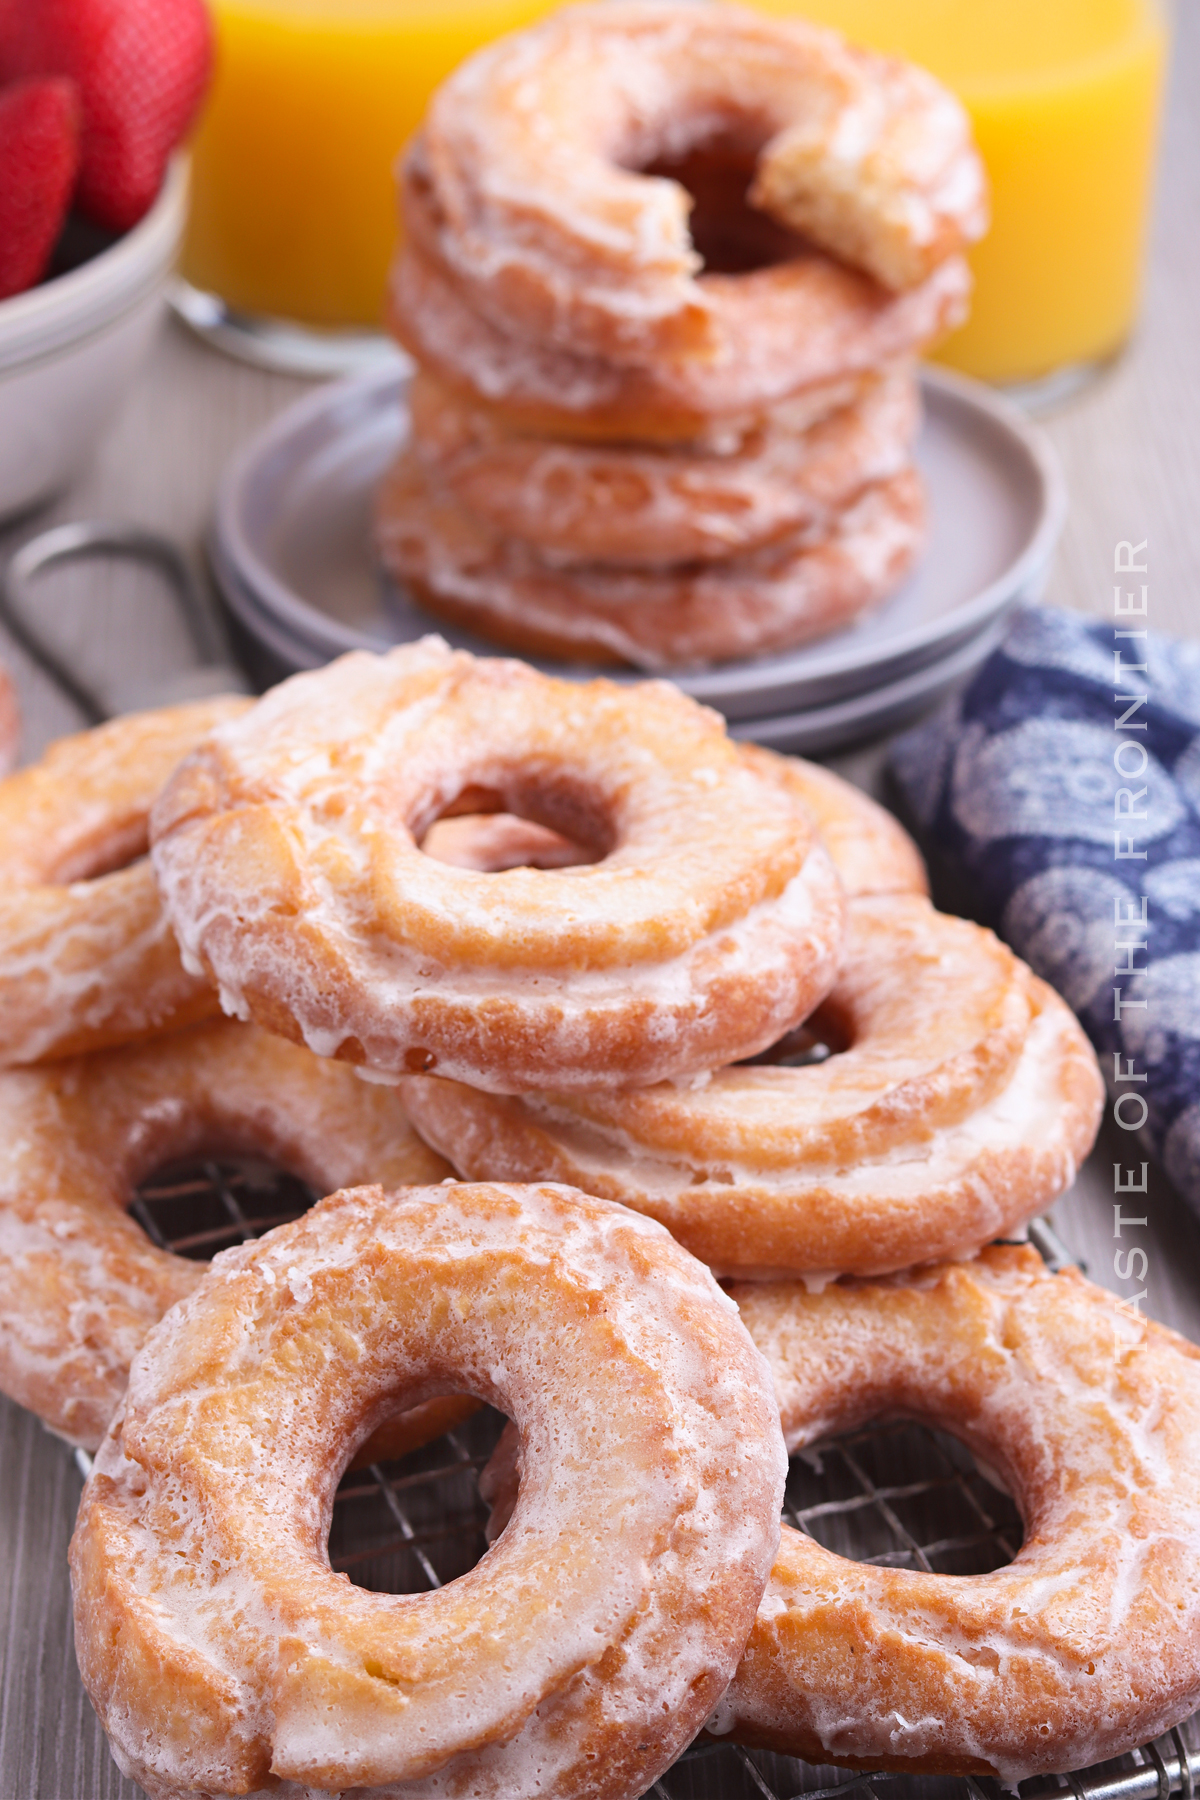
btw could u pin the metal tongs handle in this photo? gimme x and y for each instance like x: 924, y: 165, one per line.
x: 215, y: 671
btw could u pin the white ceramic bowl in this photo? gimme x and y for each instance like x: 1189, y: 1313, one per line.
x: 69, y: 348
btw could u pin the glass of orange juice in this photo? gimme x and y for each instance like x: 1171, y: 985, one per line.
x: 1064, y: 96
x: 293, y: 217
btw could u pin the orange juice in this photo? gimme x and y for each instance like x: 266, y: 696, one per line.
x: 293, y: 199
x: 1064, y: 97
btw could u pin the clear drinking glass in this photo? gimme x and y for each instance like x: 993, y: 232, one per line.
x: 293, y: 218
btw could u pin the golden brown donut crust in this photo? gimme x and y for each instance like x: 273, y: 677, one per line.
x: 680, y: 616
x: 86, y: 957
x: 526, y: 179
x: 578, y: 1657
x: 80, y: 1282
x: 629, y: 504
x: 810, y: 328
x: 960, y: 1100
x: 1089, y: 1641
x: 286, y: 851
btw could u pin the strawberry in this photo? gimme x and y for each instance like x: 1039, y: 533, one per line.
x: 39, y: 160
x: 10, y: 30
x: 141, y: 67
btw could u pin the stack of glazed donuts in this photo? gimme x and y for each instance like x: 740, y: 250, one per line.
x: 637, y: 442
x: 676, y: 1010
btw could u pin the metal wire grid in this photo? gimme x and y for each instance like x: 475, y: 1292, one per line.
x: 899, y: 1494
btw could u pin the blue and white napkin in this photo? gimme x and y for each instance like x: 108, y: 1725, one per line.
x: 1058, y: 800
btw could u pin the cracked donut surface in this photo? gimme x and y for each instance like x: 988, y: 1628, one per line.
x: 287, y: 853
x: 528, y: 179
x: 684, y: 615
x: 1088, y: 1642
x: 87, y: 958
x: 80, y: 1282
x: 585, y: 1649
x: 577, y: 503
x: 814, y: 344
x: 958, y: 1100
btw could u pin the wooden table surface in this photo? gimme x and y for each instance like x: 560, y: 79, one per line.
x: 1131, y: 451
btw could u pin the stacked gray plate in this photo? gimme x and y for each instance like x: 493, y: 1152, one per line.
x: 292, y: 550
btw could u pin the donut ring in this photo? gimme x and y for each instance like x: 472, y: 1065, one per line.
x: 684, y: 616
x: 1088, y: 1643
x: 86, y: 957
x: 580, y: 503
x: 818, y: 330
x: 524, y: 181
x: 286, y: 851
x: 914, y: 1143
x: 80, y: 1282
x: 10, y: 722
x: 219, y: 1649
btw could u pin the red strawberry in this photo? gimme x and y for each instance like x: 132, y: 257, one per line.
x: 10, y: 28
x: 142, y: 67
x: 39, y: 159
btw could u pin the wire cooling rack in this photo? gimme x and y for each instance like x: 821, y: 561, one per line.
x: 894, y: 1494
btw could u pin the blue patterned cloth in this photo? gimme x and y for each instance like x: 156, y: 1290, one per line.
x: 1046, y: 818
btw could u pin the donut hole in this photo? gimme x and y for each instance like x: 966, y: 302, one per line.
x: 98, y: 854
x: 730, y: 236
x: 198, y: 1205
x: 822, y: 1035
x: 519, y: 825
x: 407, y: 1526
x: 904, y: 1495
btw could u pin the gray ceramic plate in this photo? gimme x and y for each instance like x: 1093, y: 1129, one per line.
x: 815, y: 730
x: 292, y: 549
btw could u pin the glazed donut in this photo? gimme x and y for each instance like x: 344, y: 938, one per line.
x: 578, y: 503
x: 286, y: 852
x: 80, y: 1282
x: 959, y: 1100
x: 10, y: 722
x: 86, y: 957
x: 579, y: 1657
x: 811, y: 330
x: 527, y: 180
x: 684, y: 616
x: 1088, y: 1643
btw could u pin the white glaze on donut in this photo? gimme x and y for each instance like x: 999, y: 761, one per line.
x: 525, y: 178
x: 86, y: 956
x: 678, y: 616
x: 578, y: 1657
x: 80, y: 1283
x: 286, y: 851
x: 811, y: 330
x: 962, y: 1099
x: 1089, y: 1641
x: 651, y: 507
